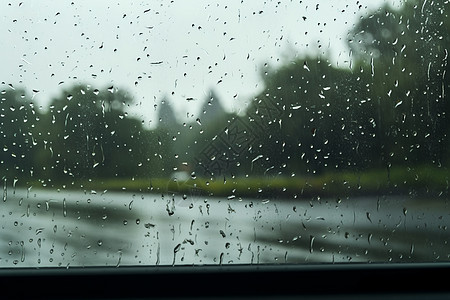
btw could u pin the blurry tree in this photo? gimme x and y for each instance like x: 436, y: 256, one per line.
x: 166, y: 150
x: 312, y: 117
x: 186, y: 143
x: 391, y: 106
x: 211, y: 121
x: 90, y: 135
x: 18, y: 118
x: 403, y: 56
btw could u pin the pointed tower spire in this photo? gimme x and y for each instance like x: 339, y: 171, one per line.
x: 211, y: 110
x: 166, y: 115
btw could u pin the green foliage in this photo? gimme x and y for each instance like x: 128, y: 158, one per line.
x: 424, y: 181
x: 381, y: 124
x: 389, y: 109
x: 324, y: 122
x: 18, y: 118
x: 403, y: 57
x: 87, y: 134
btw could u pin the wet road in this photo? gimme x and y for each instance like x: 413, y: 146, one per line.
x: 41, y: 228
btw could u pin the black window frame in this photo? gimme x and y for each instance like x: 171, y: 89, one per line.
x: 310, y: 281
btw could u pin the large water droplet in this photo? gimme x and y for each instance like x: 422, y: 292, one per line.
x: 311, y: 243
x: 305, y: 66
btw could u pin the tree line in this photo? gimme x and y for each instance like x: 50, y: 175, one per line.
x: 389, y: 106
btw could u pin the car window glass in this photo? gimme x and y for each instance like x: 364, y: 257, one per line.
x: 204, y: 132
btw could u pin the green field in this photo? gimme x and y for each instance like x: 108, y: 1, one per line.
x: 401, y: 180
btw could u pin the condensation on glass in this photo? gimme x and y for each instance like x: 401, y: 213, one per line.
x: 170, y: 133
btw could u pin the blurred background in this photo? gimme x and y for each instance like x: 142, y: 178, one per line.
x: 302, y: 112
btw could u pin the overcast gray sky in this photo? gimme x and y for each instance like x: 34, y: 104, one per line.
x: 178, y: 49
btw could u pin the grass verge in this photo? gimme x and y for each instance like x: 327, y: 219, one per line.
x: 429, y: 180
